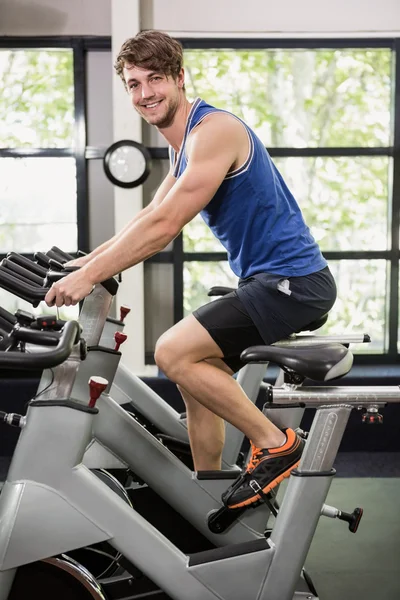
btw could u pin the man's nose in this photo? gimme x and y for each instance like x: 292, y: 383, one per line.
x: 147, y: 92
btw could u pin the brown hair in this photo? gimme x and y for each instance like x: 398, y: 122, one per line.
x: 152, y: 50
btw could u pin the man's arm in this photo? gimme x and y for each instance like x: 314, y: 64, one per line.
x: 214, y: 148
x: 159, y: 196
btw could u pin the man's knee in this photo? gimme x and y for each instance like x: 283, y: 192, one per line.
x: 165, y: 354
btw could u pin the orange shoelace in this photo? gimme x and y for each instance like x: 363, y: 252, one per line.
x: 255, y: 457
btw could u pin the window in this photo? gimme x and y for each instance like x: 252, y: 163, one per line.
x: 327, y: 115
x: 40, y: 149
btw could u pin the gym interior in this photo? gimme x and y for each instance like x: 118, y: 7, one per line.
x: 319, y: 82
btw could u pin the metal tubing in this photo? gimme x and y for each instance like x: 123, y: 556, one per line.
x: 354, y: 395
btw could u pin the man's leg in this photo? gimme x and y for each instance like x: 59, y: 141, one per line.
x: 181, y: 354
x: 206, y: 429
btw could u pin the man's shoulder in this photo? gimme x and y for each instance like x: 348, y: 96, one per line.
x: 218, y: 122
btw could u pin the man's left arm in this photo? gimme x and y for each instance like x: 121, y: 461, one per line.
x: 213, y: 150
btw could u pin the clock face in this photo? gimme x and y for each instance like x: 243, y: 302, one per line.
x: 127, y: 163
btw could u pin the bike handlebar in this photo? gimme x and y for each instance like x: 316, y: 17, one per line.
x: 24, y: 287
x: 46, y: 359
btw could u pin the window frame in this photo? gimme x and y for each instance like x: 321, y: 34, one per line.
x: 177, y: 257
x: 80, y: 151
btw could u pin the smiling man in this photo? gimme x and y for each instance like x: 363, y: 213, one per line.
x: 220, y: 169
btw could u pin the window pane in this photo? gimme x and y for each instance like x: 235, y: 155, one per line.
x: 38, y: 204
x: 36, y: 98
x: 197, y: 237
x: 199, y: 277
x: 295, y: 98
x: 359, y: 308
x: 344, y: 199
x: 360, y: 305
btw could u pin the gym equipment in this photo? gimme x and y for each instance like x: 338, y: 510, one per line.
x: 119, y: 440
x: 51, y: 503
x: 150, y: 409
x: 191, y: 495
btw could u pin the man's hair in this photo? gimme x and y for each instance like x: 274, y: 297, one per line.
x: 151, y: 50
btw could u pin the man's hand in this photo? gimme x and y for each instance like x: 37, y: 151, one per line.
x: 69, y: 290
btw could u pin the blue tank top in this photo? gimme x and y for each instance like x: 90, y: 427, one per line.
x: 253, y: 213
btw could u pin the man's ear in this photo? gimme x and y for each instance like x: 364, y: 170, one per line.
x: 181, y: 78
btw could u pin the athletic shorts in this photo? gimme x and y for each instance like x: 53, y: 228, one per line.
x: 265, y: 309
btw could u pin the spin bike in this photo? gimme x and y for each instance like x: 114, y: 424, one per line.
x: 51, y: 503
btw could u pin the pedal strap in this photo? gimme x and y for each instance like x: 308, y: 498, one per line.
x: 255, y: 486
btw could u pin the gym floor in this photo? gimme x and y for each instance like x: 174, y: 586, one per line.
x: 365, y: 565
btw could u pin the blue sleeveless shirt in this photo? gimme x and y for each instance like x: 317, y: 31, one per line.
x: 253, y: 213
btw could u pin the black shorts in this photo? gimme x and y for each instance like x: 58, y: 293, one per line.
x: 232, y: 328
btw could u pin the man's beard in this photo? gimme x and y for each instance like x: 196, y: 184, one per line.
x: 167, y: 119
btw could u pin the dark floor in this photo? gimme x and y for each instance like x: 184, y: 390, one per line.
x: 364, y: 565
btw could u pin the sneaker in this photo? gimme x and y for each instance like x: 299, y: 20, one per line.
x: 265, y: 470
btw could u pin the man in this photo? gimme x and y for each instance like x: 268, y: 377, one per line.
x: 221, y: 169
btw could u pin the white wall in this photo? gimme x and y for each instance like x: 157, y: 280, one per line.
x: 208, y: 17
x: 287, y: 17
x: 55, y: 17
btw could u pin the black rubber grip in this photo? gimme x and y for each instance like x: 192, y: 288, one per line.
x: 56, y: 264
x: 7, y: 316
x: 47, y: 359
x: 5, y: 325
x: 111, y: 285
x: 42, y: 259
x: 27, y: 263
x: 35, y: 336
x: 22, y: 278
x: 26, y: 291
x: 25, y: 273
x: 63, y: 256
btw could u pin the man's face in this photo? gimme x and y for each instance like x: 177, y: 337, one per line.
x: 154, y: 95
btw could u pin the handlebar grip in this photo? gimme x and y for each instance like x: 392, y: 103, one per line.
x: 5, y: 325
x: 35, y: 336
x: 35, y: 295
x: 56, y: 264
x: 44, y: 360
x: 42, y: 259
x: 21, y: 271
x: 53, y: 276
x: 27, y: 263
x: 62, y: 256
x: 26, y: 291
x: 7, y: 316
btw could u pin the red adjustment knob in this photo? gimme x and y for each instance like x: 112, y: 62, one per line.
x: 119, y: 338
x: 123, y: 311
x: 97, y: 385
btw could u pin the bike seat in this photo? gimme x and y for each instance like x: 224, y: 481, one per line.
x: 320, y: 363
